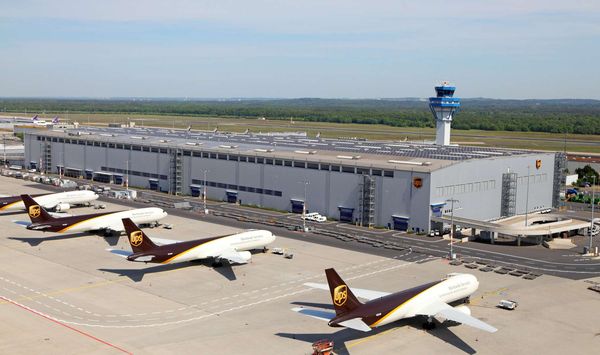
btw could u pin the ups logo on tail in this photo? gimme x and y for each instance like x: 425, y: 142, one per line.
x: 340, y: 295
x: 35, y: 211
x: 136, y: 238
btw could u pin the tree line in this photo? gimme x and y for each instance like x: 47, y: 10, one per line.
x: 555, y: 116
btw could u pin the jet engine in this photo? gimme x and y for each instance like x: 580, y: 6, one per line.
x: 245, y: 255
x: 463, y: 309
x: 61, y: 207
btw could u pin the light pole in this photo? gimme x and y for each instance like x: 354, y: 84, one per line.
x: 592, y: 217
x: 204, y: 194
x: 452, y: 200
x: 527, y: 196
x: 127, y: 175
x: 304, y: 208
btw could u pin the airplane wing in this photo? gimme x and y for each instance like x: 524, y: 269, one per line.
x: 358, y: 292
x: 315, y: 313
x: 235, y: 256
x: 439, y: 308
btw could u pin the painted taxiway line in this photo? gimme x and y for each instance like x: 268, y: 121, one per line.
x: 217, y: 312
x: 56, y: 321
x: 191, y: 308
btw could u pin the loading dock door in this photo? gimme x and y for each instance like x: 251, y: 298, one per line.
x: 196, y: 190
x: 231, y: 196
x: 400, y: 223
x: 89, y: 174
x: 346, y: 214
x: 118, y: 178
x: 153, y: 184
x: 297, y: 206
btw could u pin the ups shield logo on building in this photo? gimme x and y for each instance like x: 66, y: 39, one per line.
x: 135, y: 238
x: 35, y: 211
x: 340, y: 295
x: 417, y: 182
x: 538, y: 164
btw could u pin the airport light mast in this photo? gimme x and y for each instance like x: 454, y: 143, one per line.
x: 452, y: 200
x: 443, y: 107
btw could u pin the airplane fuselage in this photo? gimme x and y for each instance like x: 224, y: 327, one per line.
x: 205, y: 248
x: 49, y: 201
x: 404, y: 304
x: 99, y: 221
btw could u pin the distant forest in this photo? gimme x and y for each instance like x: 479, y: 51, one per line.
x: 556, y: 116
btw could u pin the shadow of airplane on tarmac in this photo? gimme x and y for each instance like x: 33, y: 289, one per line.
x: 137, y: 275
x: 35, y: 241
x: 343, y: 338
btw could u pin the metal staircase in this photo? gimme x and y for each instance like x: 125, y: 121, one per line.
x: 367, y: 202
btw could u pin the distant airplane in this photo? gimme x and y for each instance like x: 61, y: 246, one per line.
x: 36, y: 121
x: 234, y: 248
x: 434, y: 299
x: 57, y: 202
x: 55, y: 120
x: 109, y: 222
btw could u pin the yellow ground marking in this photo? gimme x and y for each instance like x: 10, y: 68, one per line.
x: 475, y: 301
x: 369, y: 338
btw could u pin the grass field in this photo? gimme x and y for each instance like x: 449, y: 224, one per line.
x: 518, y: 140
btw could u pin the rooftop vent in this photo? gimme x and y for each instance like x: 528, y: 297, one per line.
x: 349, y: 157
x: 406, y: 162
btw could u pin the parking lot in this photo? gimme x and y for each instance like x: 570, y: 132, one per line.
x: 68, y: 294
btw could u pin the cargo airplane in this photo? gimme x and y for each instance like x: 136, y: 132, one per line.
x: 434, y: 299
x: 58, y: 202
x: 234, y: 248
x: 109, y: 222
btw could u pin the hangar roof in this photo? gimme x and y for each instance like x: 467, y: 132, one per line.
x: 397, y: 155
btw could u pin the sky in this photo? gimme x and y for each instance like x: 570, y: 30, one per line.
x: 311, y: 48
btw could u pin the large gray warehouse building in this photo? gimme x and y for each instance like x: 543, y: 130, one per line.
x: 395, y: 184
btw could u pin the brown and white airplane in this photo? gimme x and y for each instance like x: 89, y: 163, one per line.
x: 109, y: 222
x: 234, y: 248
x: 431, y: 300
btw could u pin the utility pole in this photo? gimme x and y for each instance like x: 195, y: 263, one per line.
x: 452, y: 200
x: 204, y: 194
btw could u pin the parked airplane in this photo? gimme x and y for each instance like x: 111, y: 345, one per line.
x: 234, y: 248
x: 109, y: 222
x: 58, y: 202
x: 431, y: 300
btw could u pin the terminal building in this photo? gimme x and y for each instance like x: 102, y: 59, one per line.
x: 400, y: 185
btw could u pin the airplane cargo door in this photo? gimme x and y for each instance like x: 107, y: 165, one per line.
x: 232, y: 196
x: 297, y: 206
x: 346, y: 214
x: 400, y: 223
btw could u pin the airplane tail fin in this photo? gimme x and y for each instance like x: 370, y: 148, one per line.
x: 343, y: 299
x: 36, y: 213
x: 138, y: 240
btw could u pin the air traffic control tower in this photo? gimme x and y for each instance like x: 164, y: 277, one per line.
x: 443, y: 107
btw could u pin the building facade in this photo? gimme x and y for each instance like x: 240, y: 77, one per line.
x: 387, y: 184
